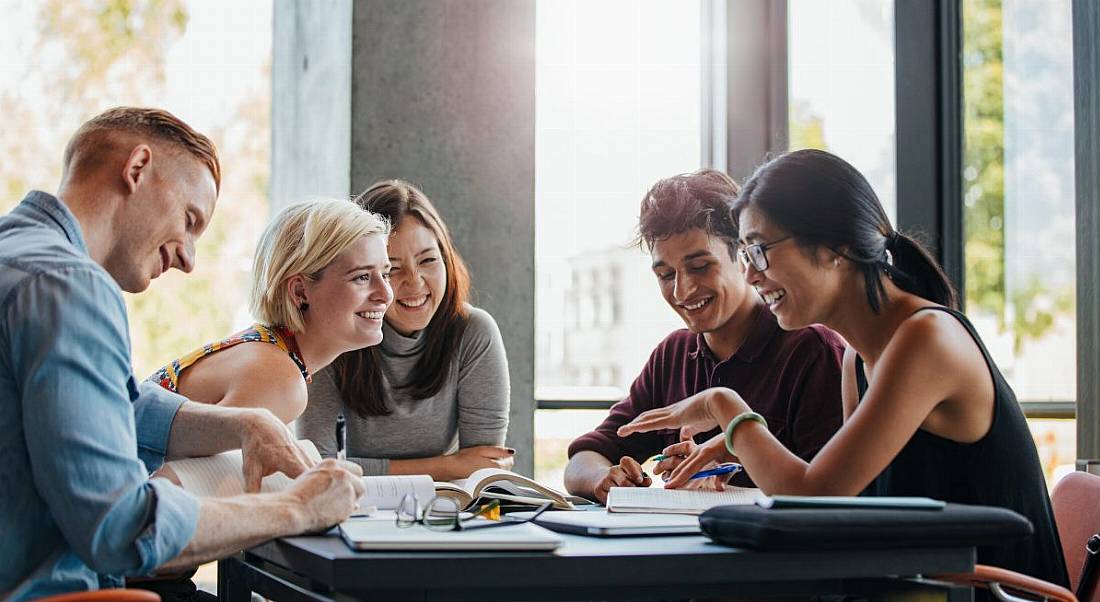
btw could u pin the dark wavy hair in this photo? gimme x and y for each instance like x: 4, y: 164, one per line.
x: 701, y: 199
x: 822, y: 201
x: 359, y: 373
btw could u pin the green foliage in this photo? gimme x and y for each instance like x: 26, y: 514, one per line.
x: 93, y: 54
x: 1033, y: 308
x: 983, y: 156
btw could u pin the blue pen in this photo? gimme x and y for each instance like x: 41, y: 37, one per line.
x: 727, y: 468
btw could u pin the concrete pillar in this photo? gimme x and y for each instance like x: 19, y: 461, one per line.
x: 442, y: 93
x: 311, y: 100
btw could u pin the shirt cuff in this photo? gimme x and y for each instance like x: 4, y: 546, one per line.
x: 175, y: 519
x: 154, y: 410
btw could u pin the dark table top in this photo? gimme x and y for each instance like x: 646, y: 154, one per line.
x: 590, y: 562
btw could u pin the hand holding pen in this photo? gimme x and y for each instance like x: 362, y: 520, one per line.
x: 685, y: 464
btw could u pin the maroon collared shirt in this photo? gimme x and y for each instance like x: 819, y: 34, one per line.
x: 791, y: 378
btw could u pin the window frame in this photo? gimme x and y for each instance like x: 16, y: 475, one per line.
x: 929, y: 117
x: 1086, y: 107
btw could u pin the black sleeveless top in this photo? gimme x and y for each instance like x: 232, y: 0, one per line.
x: 1000, y: 469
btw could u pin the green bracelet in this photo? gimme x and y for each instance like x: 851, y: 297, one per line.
x: 738, y: 419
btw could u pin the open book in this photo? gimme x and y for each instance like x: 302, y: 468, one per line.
x: 222, y: 475
x: 676, y: 501
x: 506, y: 486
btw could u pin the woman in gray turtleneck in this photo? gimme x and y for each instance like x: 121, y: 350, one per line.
x: 433, y: 397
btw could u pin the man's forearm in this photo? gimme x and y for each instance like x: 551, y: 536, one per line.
x: 228, y: 525
x: 201, y: 429
x: 584, y: 471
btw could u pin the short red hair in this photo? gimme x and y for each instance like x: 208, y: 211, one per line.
x: 154, y: 123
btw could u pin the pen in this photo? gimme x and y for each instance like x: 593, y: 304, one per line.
x: 341, y: 437
x: 662, y: 457
x: 728, y: 468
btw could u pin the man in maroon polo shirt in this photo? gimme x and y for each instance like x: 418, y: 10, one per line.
x: 732, y: 340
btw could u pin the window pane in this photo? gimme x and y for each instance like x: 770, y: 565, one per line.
x: 617, y: 108
x: 1019, y: 190
x: 209, y: 64
x: 554, y: 431
x: 841, y: 85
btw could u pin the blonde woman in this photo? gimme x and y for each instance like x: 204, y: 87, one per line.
x: 434, y: 397
x: 320, y: 287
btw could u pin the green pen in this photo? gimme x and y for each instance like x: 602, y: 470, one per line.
x: 662, y: 457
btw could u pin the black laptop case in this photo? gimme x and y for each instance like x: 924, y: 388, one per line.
x: 861, y: 528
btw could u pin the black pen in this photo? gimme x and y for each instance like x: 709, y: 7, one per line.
x: 341, y: 437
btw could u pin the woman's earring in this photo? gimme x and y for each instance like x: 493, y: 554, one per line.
x: 303, y: 306
x: 836, y: 262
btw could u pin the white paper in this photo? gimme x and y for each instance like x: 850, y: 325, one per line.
x: 386, y: 492
x: 686, y: 501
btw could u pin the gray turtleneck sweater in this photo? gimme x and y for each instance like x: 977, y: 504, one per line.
x: 471, y: 408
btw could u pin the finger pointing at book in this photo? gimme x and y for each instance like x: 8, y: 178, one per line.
x: 694, y: 412
x: 268, y: 447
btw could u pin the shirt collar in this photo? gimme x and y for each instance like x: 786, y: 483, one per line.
x: 764, y: 327
x: 52, y: 212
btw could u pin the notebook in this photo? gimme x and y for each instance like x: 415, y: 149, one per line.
x: 368, y: 534
x: 601, y: 523
x: 676, y: 501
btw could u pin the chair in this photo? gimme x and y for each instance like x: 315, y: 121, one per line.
x: 105, y: 595
x: 1076, y: 503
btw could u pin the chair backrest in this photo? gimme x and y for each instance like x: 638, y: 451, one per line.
x: 105, y: 595
x: 1076, y: 501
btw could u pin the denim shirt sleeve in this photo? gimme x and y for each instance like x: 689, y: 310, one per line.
x: 154, y: 409
x: 71, y: 361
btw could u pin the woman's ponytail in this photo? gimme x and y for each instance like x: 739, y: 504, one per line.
x: 914, y: 270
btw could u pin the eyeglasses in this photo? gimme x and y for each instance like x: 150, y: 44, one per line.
x: 443, y: 514
x: 757, y: 255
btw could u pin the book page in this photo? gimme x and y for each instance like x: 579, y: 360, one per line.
x: 385, y: 492
x: 213, y: 476
x: 222, y: 475
x: 684, y: 501
x: 507, y: 480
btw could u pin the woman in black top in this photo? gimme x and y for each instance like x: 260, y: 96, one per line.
x: 927, y: 412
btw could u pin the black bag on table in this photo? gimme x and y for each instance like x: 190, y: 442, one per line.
x: 790, y: 529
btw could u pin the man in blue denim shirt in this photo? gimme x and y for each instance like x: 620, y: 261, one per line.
x: 80, y: 436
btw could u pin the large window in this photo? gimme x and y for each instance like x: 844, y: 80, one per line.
x: 841, y: 85
x: 617, y: 108
x: 1018, y: 194
x: 1019, y: 191
x: 63, y: 62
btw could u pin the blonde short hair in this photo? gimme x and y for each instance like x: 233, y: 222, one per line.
x: 304, y: 238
